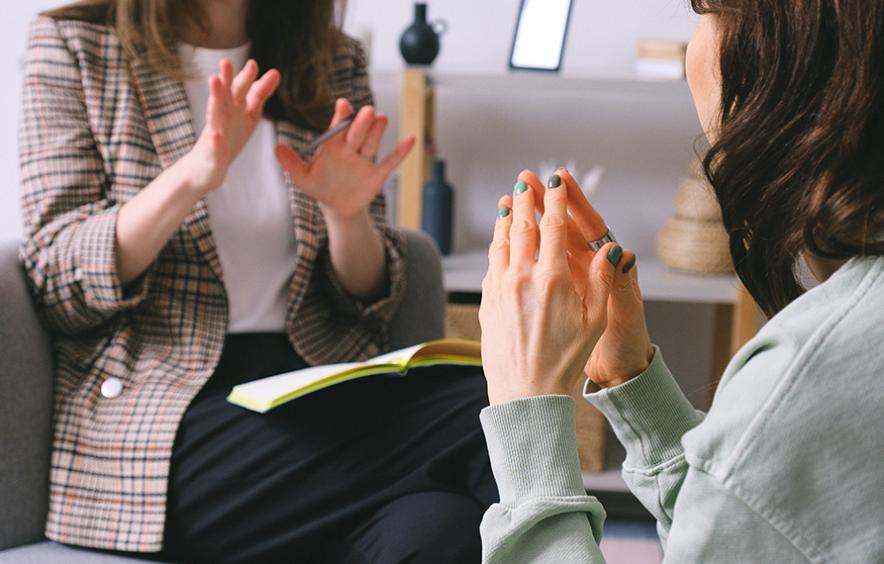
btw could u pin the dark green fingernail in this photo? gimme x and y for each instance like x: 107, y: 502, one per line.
x: 503, y: 212
x: 615, y: 254
x: 554, y: 181
x: 629, y: 265
x: 520, y: 188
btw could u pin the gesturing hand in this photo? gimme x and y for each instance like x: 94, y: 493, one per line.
x: 540, y: 317
x: 342, y: 175
x: 234, y: 110
x: 624, y: 350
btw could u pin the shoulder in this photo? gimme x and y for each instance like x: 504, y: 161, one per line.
x: 350, y: 78
x: 53, y: 41
x: 800, y: 404
x: 78, y: 34
x: 826, y: 341
x: 351, y: 52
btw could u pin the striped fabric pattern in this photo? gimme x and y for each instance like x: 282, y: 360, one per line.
x: 95, y: 128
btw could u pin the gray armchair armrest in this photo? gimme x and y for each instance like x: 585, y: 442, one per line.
x: 25, y: 408
x: 421, y: 315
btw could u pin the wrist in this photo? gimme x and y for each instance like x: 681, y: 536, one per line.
x: 627, y: 373
x: 512, y: 391
x: 194, y: 176
x: 343, y: 223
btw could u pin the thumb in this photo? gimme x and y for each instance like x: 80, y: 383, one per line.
x: 601, y: 275
x: 293, y: 164
x: 626, y: 298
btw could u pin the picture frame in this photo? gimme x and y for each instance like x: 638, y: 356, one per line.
x: 526, y: 34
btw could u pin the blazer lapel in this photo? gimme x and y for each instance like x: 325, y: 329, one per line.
x: 168, y: 116
x: 310, y: 229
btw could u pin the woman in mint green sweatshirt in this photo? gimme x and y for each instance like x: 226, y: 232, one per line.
x: 787, y: 464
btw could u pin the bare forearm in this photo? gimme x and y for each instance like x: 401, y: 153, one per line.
x: 357, y: 255
x: 147, y: 222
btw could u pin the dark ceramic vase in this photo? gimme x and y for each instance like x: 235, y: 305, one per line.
x: 437, y: 208
x: 419, y: 44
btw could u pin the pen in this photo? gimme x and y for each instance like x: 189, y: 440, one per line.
x: 313, y: 145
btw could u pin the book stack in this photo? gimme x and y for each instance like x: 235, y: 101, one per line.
x: 661, y: 59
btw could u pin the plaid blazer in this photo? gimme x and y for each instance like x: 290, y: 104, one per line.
x: 95, y: 128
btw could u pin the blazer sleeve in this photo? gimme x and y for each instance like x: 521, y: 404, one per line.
x: 379, y: 313
x: 69, y: 248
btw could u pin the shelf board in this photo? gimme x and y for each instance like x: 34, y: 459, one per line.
x: 463, y: 273
x: 524, y: 83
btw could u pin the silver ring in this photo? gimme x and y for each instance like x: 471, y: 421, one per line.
x: 597, y: 245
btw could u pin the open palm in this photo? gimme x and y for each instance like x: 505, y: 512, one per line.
x: 343, y: 175
x: 232, y: 114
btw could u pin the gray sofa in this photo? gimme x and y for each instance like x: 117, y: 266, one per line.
x: 26, y: 391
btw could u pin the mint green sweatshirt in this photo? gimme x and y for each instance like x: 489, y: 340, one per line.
x: 787, y: 466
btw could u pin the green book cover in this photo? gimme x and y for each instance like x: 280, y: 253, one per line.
x: 265, y: 394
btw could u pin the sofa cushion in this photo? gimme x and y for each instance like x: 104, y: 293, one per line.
x: 53, y: 553
x: 25, y: 405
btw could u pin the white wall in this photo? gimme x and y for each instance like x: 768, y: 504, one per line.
x: 602, y: 36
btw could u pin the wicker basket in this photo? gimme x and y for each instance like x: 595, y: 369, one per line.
x: 695, y: 239
x: 462, y: 322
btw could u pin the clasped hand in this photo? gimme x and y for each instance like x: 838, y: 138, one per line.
x: 552, y: 309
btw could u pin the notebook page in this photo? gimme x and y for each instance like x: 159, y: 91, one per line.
x: 273, y: 387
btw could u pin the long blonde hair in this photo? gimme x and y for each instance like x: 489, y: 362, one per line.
x: 301, y: 39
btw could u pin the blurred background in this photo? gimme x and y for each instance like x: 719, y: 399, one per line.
x: 597, y: 113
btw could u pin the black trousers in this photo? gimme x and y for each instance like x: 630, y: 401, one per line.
x: 380, y: 470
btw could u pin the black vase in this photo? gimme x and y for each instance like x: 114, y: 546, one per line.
x: 419, y: 44
x: 437, y: 208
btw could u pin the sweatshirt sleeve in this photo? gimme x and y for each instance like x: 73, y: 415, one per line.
x: 544, y: 514
x: 649, y: 414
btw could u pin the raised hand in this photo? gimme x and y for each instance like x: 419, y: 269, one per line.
x: 343, y: 175
x: 624, y: 350
x: 539, y: 323
x: 234, y: 110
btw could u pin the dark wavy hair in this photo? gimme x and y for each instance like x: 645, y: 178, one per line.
x: 798, y: 163
x: 301, y: 39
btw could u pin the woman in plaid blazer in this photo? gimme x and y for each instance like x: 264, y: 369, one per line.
x: 126, y: 270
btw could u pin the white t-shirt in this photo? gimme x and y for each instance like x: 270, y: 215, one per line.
x: 250, y: 213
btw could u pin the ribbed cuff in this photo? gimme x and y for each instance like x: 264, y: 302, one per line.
x: 649, y: 414
x: 533, y: 447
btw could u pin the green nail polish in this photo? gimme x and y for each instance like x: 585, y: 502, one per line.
x: 520, y: 188
x: 503, y: 212
x: 554, y: 181
x: 615, y: 254
x: 629, y: 265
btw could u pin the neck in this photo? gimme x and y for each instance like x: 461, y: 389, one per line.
x: 224, y: 25
x: 822, y: 268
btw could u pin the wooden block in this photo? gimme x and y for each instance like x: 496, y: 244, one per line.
x: 662, y: 49
x: 416, y: 118
x: 591, y: 434
x: 746, y: 319
x: 462, y: 322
